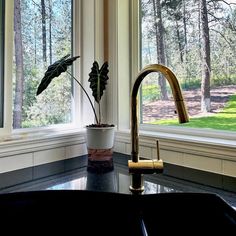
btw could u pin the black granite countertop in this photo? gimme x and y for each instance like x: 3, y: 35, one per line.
x: 99, y: 202
x: 115, y: 180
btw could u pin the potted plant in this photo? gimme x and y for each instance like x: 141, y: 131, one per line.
x: 99, y: 136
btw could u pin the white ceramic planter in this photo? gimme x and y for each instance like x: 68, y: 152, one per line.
x: 100, y: 137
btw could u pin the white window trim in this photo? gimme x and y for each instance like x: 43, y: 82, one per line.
x: 198, y: 134
x: 7, y: 127
x: 118, y: 106
x: 88, y: 44
x: 2, y: 9
x: 7, y: 132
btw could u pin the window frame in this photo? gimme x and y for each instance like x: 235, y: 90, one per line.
x: 7, y: 129
x: 2, y: 30
x: 88, y: 44
x: 7, y: 85
x: 195, y: 133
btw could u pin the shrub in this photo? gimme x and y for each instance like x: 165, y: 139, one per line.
x: 150, y: 92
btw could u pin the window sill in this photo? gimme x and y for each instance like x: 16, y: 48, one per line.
x: 214, y: 136
x: 222, y: 148
x: 25, y: 141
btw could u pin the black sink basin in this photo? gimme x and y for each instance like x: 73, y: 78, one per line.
x: 80, y: 212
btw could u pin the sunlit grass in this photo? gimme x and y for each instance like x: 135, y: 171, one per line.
x: 224, y: 120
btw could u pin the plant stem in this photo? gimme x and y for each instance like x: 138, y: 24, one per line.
x: 86, y: 95
x: 99, y: 112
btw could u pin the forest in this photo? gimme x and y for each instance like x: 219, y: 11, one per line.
x: 196, y: 39
x: 43, y: 34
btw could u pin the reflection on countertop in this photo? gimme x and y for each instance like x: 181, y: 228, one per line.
x: 117, y: 180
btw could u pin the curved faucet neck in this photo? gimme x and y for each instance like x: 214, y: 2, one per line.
x: 177, y: 95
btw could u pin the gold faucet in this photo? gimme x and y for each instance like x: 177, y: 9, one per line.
x: 139, y: 167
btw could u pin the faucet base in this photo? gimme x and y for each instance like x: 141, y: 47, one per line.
x: 136, y: 190
x: 136, y: 186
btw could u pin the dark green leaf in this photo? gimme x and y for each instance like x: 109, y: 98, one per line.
x: 55, y: 70
x: 98, y: 80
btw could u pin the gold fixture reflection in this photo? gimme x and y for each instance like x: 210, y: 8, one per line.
x: 139, y: 167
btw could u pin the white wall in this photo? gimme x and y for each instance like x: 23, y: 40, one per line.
x: 33, y: 151
x: 205, y: 154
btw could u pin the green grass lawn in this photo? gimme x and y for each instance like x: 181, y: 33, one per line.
x: 224, y: 120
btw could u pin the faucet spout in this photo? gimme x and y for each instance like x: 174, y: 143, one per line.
x: 136, y: 173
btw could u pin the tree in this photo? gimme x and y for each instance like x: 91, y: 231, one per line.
x: 44, y: 33
x: 39, y: 112
x: 50, y: 30
x: 206, y: 60
x: 19, y: 86
x: 159, y: 31
x: 174, y: 10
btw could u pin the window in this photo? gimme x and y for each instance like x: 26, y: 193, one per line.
x: 2, y: 10
x: 65, y: 27
x: 42, y: 35
x: 196, y: 40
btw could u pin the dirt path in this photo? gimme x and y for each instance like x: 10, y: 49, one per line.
x: 166, y: 109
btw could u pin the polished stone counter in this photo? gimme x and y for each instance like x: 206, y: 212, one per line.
x: 117, y: 180
x: 81, y: 202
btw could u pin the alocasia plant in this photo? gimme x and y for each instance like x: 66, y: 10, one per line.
x: 97, y: 77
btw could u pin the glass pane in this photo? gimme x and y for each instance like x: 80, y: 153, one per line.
x: 196, y: 40
x: 2, y: 16
x: 43, y: 34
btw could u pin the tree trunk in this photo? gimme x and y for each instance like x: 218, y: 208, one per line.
x: 35, y: 42
x: 44, y: 33
x: 185, y: 31
x: 179, y: 40
x: 50, y: 31
x: 158, y: 27
x: 206, y: 66
x: 19, y: 88
x: 185, y: 57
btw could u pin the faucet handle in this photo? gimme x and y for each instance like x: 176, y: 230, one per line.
x: 145, y: 167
